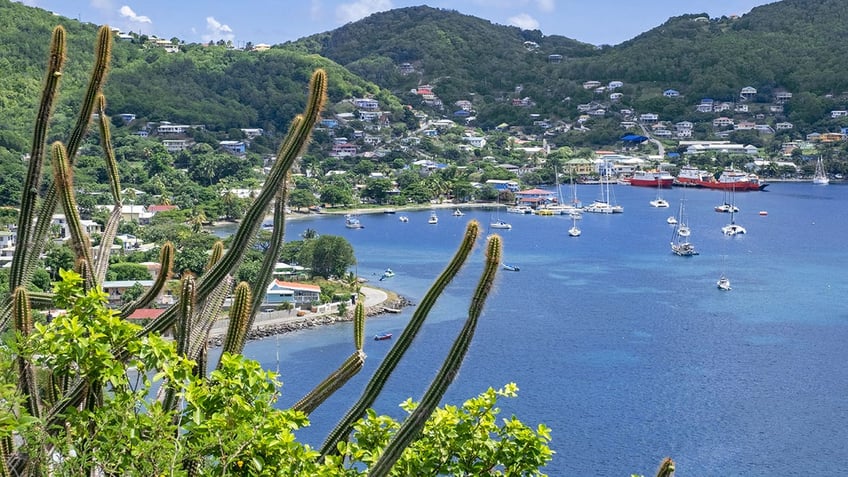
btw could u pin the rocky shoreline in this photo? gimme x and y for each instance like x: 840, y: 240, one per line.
x: 302, y: 323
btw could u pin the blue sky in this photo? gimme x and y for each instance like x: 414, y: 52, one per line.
x: 276, y: 21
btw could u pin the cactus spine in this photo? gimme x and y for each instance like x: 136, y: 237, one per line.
x: 239, y: 321
x: 22, y: 315
x: 390, y: 362
x: 414, y: 423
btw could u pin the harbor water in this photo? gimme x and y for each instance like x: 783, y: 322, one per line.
x: 626, y: 351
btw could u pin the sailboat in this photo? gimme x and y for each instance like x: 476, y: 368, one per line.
x: 680, y: 244
x: 659, y: 201
x: 561, y: 207
x: 733, y: 228
x: 603, y: 205
x: 726, y: 207
x: 497, y: 223
x: 820, y: 176
x: 574, y: 231
x: 723, y: 283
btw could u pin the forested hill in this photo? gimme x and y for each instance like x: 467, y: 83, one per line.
x: 458, y: 53
x: 215, y: 86
x: 796, y: 45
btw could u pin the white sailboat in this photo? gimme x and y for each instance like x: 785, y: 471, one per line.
x: 723, y: 283
x: 352, y: 222
x: 680, y: 244
x: 434, y: 219
x: 603, y: 204
x: 820, y: 176
x: 574, y: 231
x: 733, y: 228
x: 497, y: 223
x: 659, y: 201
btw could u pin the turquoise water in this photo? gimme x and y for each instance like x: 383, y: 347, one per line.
x: 628, y: 352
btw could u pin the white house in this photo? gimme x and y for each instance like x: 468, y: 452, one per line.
x: 280, y: 291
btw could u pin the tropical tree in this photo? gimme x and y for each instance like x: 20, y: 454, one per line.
x: 327, y: 256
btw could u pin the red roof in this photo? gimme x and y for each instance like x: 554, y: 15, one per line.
x: 298, y: 286
x: 146, y: 313
x: 160, y: 208
x: 534, y: 192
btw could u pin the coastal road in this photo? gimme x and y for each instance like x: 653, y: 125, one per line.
x: 372, y: 296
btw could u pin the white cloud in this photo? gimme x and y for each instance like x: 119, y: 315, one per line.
x: 546, y: 5
x: 216, y: 30
x: 128, y: 13
x: 524, y: 21
x: 350, y: 12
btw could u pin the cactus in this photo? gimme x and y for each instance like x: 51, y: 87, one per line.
x: 666, y: 468
x: 201, y: 298
x: 413, y: 424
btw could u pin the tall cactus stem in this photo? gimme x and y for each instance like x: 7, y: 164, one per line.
x: 414, y: 423
x: 215, y: 256
x: 666, y: 468
x: 29, y: 197
x: 22, y: 316
x: 166, y: 269
x: 63, y: 175
x: 390, y: 362
x: 239, y: 321
x: 348, y: 369
x: 359, y: 325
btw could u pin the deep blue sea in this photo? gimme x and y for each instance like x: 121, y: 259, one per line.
x: 628, y: 352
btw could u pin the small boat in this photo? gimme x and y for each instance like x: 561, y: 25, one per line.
x: 403, y: 218
x: 458, y: 213
x: 733, y: 229
x: 389, y: 211
x: 763, y: 212
x: 520, y: 209
x: 659, y: 202
x: 434, y: 219
x: 723, y: 283
x: 500, y: 224
x: 511, y: 268
x: 671, y: 220
x: 726, y: 208
x: 387, y: 274
x: 574, y: 231
x: 545, y: 212
x: 383, y: 336
x: 352, y: 222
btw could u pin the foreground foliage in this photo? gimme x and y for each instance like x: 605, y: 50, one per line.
x: 87, y: 393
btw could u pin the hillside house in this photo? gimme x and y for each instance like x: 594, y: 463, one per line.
x: 252, y: 133
x: 555, y: 58
x: 535, y: 197
x: 782, y: 96
x: 748, y: 92
x: 298, y: 294
x: 615, y: 85
x: 501, y: 185
x: 115, y: 289
x: 369, y: 104
x: 648, y: 117
x: 168, y: 128
x: 722, y: 122
x: 344, y: 150
x: 783, y: 126
x: 177, y: 145
x: 233, y: 147
x: 591, y: 84
x: 671, y: 93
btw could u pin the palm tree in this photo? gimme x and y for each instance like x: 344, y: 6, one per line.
x: 197, y: 219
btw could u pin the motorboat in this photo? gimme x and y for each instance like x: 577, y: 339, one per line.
x: 500, y: 224
x: 389, y: 211
x: 458, y: 213
x: 434, y: 219
x: 520, y: 209
x: 733, y: 229
x: 352, y: 222
x: 726, y: 208
x: 383, y: 336
x: 671, y: 220
x: 388, y: 273
x: 723, y: 283
x: 403, y: 218
x: 659, y: 202
x: 511, y: 268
